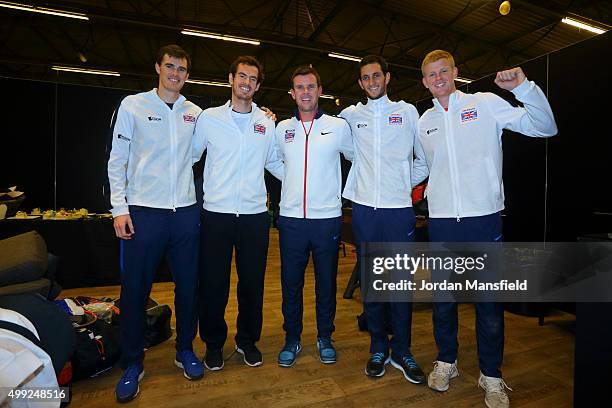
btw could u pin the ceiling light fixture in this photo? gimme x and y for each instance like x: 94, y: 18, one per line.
x: 344, y: 57
x: 583, y: 25
x: 84, y: 70
x: 223, y: 37
x: 504, y: 8
x: 464, y: 80
x: 43, y: 10
x: 210, y: 83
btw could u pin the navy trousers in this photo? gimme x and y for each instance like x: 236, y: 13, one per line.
x: 159, y: 232
x: 221, y: 233
x: 386, y: 225
x: 298, y: 238
x: 489, y: 316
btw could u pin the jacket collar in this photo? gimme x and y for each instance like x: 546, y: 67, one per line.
x: 178, y: 102
x: 377, y: 103
x: 320, y: 112
x: 453, y: 100
x: 228, y: 106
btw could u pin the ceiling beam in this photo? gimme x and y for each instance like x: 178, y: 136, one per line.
x: 340, y: 4
x: 434, y: 27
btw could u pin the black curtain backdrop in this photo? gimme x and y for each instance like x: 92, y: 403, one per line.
x: 55, y: 139
x: 579, y: 160
x: 27, y: 146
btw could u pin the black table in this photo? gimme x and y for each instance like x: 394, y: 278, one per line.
x: 87, y: 248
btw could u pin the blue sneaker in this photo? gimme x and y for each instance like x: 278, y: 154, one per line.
x: 127, y: 387
x: 287, y: 356
x: 376, y: 365
x: 193, y: 369
x: 411, y: 370
x: 327, y: 352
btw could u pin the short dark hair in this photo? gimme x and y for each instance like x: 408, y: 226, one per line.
x: 173, y: 50
x: 248, y: 60
x: 373, y: 59
x: 305, y: 70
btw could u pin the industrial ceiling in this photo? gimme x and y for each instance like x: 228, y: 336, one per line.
x: 124, y: 36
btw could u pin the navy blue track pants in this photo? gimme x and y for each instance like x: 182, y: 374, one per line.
x: 489, y: 316
x: 159, y: 232
x: 386, y: 225
x: 299, y: 238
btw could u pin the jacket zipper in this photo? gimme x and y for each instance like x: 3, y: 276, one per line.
x: 377, y: 125
x: 173, y: 143
x: 305, y: 172
x: 240, y: 170
x: 450, y: 146
x: 306, y: 159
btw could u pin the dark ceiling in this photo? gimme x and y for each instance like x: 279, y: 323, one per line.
x: 125, y: 35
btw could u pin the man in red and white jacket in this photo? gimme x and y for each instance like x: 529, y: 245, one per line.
x: 310, y: 144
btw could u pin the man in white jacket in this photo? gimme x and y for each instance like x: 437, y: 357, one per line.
x: 379, y: 185
x: 239, y: 140
x: 310, y: 219
x: 460, y: 138
x: 24, y: 365
x: 154, y: 208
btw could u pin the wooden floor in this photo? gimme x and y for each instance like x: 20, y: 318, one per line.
x: 538, y: 361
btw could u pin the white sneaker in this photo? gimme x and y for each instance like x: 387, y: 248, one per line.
x: 439, y: 378
x: 495, y: 391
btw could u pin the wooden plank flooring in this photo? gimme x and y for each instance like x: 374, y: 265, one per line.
x: 538, y: 362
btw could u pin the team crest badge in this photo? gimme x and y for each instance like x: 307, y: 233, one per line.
x: 289, y: 135
x: 469, y: 115
x: 395, y: 119
x: 259, y: 128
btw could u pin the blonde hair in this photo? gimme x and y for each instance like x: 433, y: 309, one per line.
x: 436, y: 55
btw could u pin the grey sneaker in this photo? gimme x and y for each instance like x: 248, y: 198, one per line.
x: 495, y: 391
x: 439, y: 378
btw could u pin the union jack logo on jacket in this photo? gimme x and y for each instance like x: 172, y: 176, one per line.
x: 259, y: 128
x: 395, y: 119
x: 468, y: 115
x: 289, y: 135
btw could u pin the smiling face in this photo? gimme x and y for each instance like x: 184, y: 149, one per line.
x: 439, y: 77
x: 172, y: 74
x: 373, y: 81
x: 244, y: 83
x: 306, y: 92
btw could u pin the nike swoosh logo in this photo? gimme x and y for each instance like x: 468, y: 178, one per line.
x: 326, y: 133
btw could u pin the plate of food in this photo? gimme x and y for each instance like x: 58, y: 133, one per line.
x: 22, y: 215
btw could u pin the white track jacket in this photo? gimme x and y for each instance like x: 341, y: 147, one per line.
x: 235, y: 161
x: 383, y: 133
x: 463, y: 147
x: 150, y: 160
x: 313, y: 179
